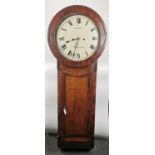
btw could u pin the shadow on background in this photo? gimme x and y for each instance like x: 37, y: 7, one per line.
x: 101, y: 147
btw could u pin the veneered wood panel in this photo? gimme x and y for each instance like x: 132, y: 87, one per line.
x: 77, y: 106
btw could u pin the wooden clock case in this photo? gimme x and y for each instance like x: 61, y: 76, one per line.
x: 76, y: 85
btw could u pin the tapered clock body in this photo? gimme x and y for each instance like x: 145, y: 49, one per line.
x: 76, y: 37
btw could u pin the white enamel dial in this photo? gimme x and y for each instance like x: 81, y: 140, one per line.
x: 77, y: 38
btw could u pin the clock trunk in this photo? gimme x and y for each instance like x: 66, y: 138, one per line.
x: 76, y: 106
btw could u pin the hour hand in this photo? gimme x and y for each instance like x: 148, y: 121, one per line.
x: 68, y: 41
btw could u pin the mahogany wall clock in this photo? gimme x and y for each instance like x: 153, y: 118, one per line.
x: 76, y: 37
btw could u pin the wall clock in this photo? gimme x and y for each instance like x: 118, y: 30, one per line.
x: 76, y: 37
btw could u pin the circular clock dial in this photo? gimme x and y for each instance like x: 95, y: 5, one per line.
x: 77, y: 38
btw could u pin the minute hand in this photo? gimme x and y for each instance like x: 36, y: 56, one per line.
x: 75, y: 47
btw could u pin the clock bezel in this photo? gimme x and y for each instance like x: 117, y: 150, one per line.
x: 60, y: 17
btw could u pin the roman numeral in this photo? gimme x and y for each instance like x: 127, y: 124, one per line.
x: 92, y: 47
x: 78, y: 20
x: 78, y: 55
x: 73, y: 54
x: 63, y: 29
x: 70, y: 23
x: 62, y: 38
x: 63, y: 47
x: 70, y: 53
x: 94, y: 38
x: 92, y: 29
x: 87, y: 22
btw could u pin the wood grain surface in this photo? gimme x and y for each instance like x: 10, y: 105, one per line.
x: 76, y: 100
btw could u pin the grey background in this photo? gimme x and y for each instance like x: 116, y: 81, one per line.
x: 101, y: 147
x: 101, y: 122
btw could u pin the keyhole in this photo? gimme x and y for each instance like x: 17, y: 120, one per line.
x: 65, y: 111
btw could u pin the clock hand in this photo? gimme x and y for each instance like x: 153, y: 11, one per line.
x: 77, y: 42
x: 71, y: 40
x: 75, y: 47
